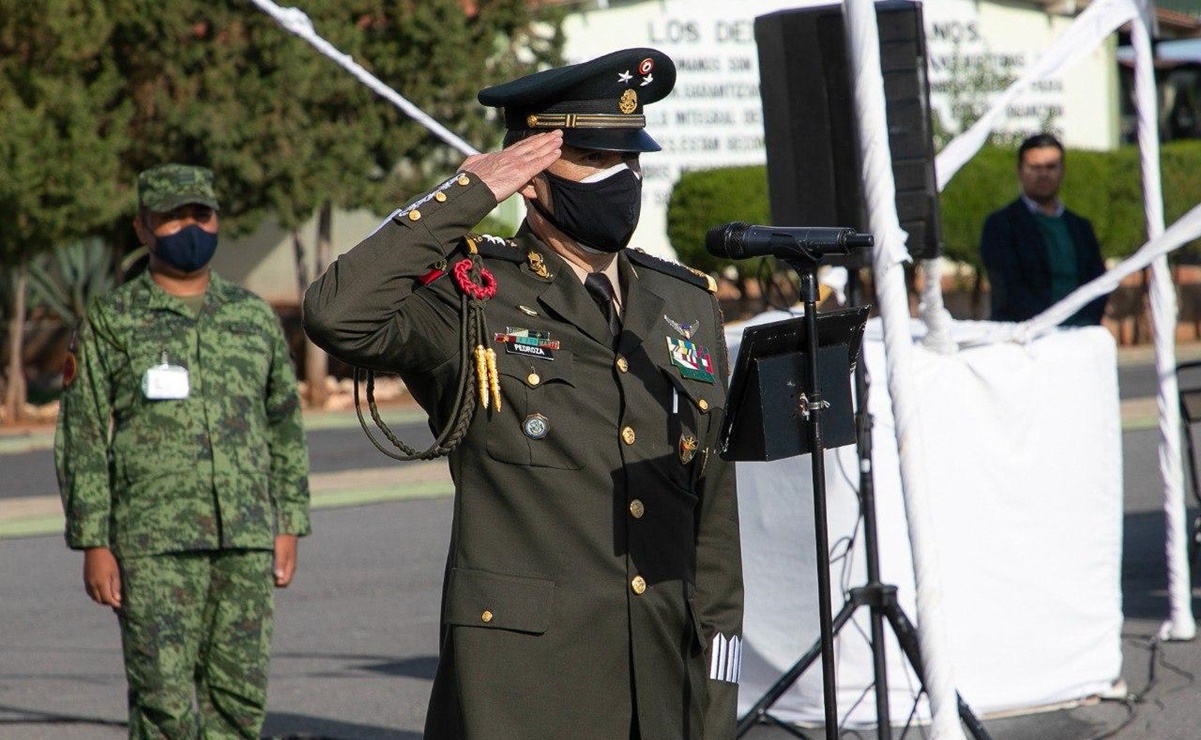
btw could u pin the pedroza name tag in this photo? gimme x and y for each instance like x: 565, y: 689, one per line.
x: 165, y: 382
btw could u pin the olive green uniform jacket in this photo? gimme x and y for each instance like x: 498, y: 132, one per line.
x: 594, y: 560
x: 225, y: 467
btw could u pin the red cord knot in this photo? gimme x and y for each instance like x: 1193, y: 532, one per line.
x: 467, y: 275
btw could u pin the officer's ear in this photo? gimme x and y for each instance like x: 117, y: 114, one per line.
x: 142, y: 229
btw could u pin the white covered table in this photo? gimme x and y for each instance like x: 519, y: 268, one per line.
x: 1025, y: 474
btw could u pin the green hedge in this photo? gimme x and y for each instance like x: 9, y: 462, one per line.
x: 705, y: 198
x: 1103, y: 186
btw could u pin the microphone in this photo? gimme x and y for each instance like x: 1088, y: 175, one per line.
x: 738, y: 240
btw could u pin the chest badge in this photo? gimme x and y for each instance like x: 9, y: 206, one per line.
x: 528, y: 343
x: 527, y: 310
x: 693, y: 360
x: 538, y: 265
x: 688, y: 447
x: 685, y: 330
x: 535, y: 426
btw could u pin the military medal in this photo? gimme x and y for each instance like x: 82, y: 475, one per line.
x: 688, y: 447
x: 535, y: 426
x: 684, y: 330
x: 528, y: 343
x: 693, y: 360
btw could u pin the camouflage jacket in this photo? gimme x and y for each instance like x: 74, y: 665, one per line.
x: 225, y: 467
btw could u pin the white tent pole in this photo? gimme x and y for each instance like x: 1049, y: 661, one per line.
x: 1180, y: 624
x: 295, y: 21
x: 864, y: 41
x: 933, y: 312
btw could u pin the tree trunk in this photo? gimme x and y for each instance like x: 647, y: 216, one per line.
x: 316, y: 363
x: 14, y: 397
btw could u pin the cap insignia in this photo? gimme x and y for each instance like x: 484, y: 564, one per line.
x: 629, y: 102
x: 624, y: 77
x: 646, y: 65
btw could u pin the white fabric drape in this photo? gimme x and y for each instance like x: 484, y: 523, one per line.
x: 889, y: 255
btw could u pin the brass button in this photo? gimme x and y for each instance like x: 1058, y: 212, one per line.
x: 628, y: 436
x: 637, y: 509
x: 703, y: 404
x: 440, y: 196
x: 623, y: 364
x: 486, y: 616
x: 533, y: 379
x: 638, y: 584
x: 414, y: 215
x: 464, y: 180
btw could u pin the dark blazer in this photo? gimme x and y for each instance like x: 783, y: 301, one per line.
x: 594, y: 576
x: 1019, y: 271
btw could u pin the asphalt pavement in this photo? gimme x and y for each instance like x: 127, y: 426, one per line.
x: 356, y: 634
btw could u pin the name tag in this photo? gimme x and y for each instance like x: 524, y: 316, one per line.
x: 165, y: 382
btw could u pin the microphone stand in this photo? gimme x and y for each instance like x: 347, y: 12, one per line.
x: 807, y: 268
x: 805, y: 263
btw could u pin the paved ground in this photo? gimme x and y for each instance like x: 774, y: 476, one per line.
x: 356, y: 634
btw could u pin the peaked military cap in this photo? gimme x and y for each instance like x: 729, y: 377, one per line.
x: 597, y: 104
x: 169, y: 186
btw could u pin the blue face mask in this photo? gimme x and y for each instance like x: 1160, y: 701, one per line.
x: 187, y: 250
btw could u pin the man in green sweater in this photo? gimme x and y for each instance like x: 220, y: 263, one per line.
x: 1035, y: 250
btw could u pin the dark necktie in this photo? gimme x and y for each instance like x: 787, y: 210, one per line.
x: 601, y: 290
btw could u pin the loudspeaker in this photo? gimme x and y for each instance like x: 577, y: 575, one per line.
x: 810, y: 128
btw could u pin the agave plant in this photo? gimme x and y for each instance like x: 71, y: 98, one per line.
x: 64, y: 281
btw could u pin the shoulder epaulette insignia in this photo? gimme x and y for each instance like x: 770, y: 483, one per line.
x: 675, y: 269
x: 493, y: 247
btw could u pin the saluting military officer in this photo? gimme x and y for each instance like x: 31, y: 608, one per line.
x: 183, y: 470
x: 593, y: 585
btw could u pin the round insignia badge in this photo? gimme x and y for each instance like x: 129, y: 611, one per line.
x: 69, y: 369
x: 535, y: 426
x: 646, y: 66
x: 629, y: 102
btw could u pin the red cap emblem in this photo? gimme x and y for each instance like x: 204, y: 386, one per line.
x: 646, y: 66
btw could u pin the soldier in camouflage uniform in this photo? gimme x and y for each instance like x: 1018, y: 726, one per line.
x: 183, y: 470
x: 593, y: 586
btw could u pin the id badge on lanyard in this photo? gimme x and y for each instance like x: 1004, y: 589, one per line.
x: 165, y: 382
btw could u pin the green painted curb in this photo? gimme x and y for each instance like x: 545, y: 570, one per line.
x: 17, y: 444
x: 41, y: 526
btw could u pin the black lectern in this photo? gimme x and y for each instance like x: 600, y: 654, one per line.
x: 768, y: 415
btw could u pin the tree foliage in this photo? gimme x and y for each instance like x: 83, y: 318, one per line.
x: 94, y: 91
x: 64, y: 124
x: 219, y: 83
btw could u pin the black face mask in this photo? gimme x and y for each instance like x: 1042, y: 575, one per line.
x: 600, y: 215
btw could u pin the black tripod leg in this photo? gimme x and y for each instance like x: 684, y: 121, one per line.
x: 758, y: 713
x: 907, y: 637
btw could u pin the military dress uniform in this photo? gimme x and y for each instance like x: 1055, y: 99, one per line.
x: 593, y: 584
x: 187, y: 492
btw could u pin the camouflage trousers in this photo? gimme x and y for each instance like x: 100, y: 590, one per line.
x: 196, y: 632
